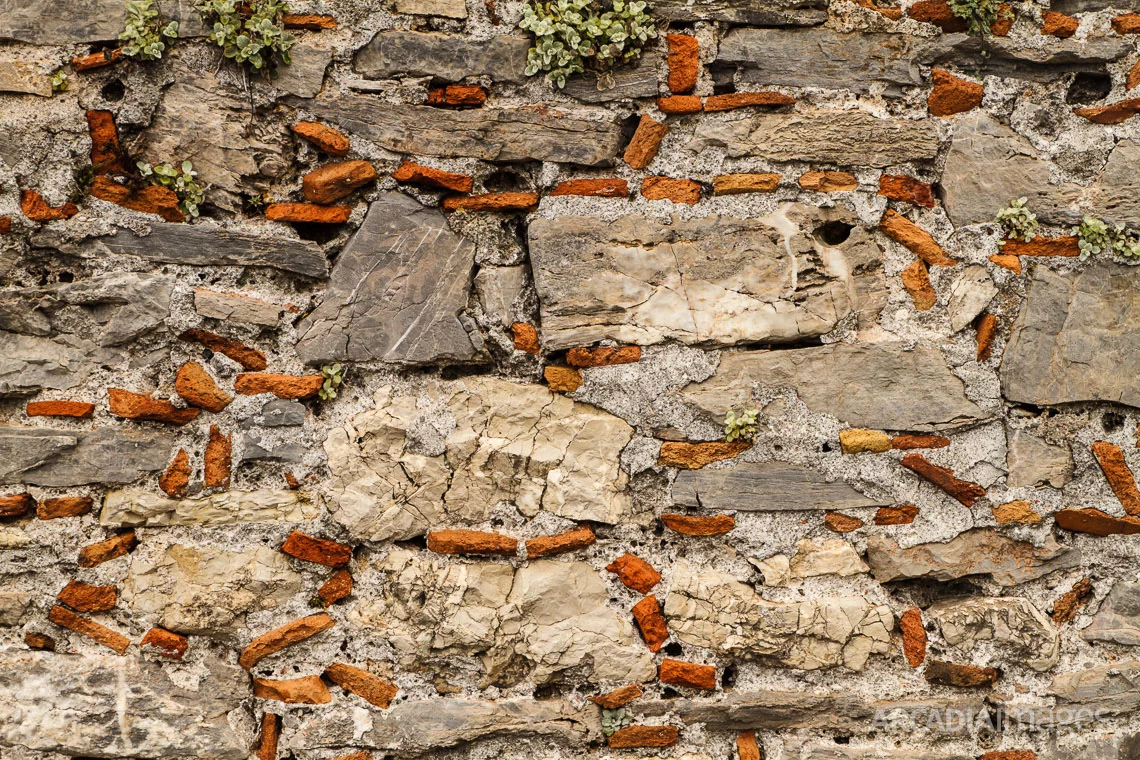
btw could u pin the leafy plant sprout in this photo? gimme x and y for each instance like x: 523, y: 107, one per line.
x: 614, y: 721
x: 180, y: 179
x: 334, y: 376
x: 572, y: 36
x: 59, y: 82
x: 145, y: 35
x: 979, y: 15
x: 742, y: 427
x: 1017, y: 221
x: 1095, y: 236
x: 250, y: 33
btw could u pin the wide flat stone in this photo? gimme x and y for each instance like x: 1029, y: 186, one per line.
x: 63, y: 458
x: 29, y: 364
x: 450, y: 57
x: 1047, y: 60
x: 60, y: 22
x: 198, y: 245
x: 111, y: 706
x: 591, y: 137
x: 881, y: 386
x: 24, y: 78
x: 396, y: 292
x: 134, y: 507
x: 306, y: 74
x: 1011, y: 625
x: 1110, y: 689
x: 1074, y: 339
x: 1118, y: 619
x: 638, y: 80
x: 1033, y: 462
x: 846, y: 138
x: 765, y: 487
x: 745, y: 12
x: 716, y: 280
x: 1082, y: 6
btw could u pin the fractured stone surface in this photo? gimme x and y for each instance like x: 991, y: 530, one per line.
x: 134, y: 507
x: 1118, y: 619
x: 396, y: 291
x: 747, y: 12
x: 707, y: 608
x: 1075, y: 338
x: 29, y: 363
x: 60, y: 22
x: 399, y: 470
x: 109, y: 706
x: 879, y: 386
x: 449, y: 57
x: 764, y: 487
x: 1034, y: 462
x: 1109, y: 689
x: 1021, y: 631
x: 717, y: 280
x: 62, y: 458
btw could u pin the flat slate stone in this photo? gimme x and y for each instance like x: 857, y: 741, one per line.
x: 65, y: 458
x: 745, y: 12
x: 1118, y: 619
x: 881, y: 386
x: 396, y: 291
x: 1075, y: 338
x: 518, y: 133
x: 61, y: 22
x: 198, y: 245
x: 715, y: 280
x: 305, y: 75
x: 765, y: 487
x: 88, y: 706
x: 1083, y: 6
x: 625, y: 83
x: 24, y: 78
x: 1048, y: 60
x: 845, y: 138
x: 450, y: 57
x: 1033, y: 462
x: 29, y: 363
x: 1110, y: 689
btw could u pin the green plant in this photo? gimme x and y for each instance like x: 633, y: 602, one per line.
x: 256, y: 37
x: 1017, y: 221
x: 59, y: 81
x: 179, y: 179
x: 144, y: 35
x: 742, y: 427
x: 1095, y: 236
x: 571, y: 36
x: 334, y: 376
x: 614, y: 721
x: 979, y: 15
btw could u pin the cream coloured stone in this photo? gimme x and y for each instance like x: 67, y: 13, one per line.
x: 826, y: 556
x: 133, y: 507
x: 1011, y: 622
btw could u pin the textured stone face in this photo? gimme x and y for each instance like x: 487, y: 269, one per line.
x: 1109, y: 688
x: 58, y: 22
x: 1013, y: 624
x: 398, y: 471
x: 1033, y: 462
x: 755, y: 12
x: 1073, y: 340
x: 130, y: 507
x: 449, y: 57
x: 1118, y: 619
x: 707, y: 608
x: 61, y: 458
x: 29, y: 364
x: 766, y: 486
x: 875, y: 386
x: 207, y: 591
x: 108, y: 706
x: 714, y: 280
x: 396, y: 292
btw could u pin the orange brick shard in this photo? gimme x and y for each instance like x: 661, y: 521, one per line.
x: 1096, y: 522
x: 39, y: 641
x: 1114, y: 113
x: 643, y: 736
x: 1127, y: 23
x: 683, y: 62
x: 1007, y: 261
x: 78, y: 409
x: 734, y: 100
x: 1061, y: 26
x: 669, y: 189
x: 291, y: 387
x: 916, y: 279
x: 919, y: 441
x: 680, y: 104
x: 963, y: 490
x: 217, y: 459
x: 83, y: 597
x: 747, y: 748
x: 335, y: 588
x: 837, y: 522
x: 599, y: 188
x: 735, y: 184
x: 651, y: 623
x: 913, y: 637
x: 97, y: 60
x: 151, y: 199
x: 491, y: 202
x: 284, y: 636
x: 106, y: 155
x: 369, y: 687
x: 715, y: 525
x: 108, y: 549
x: 249, y: 358
x: 97, y: 632
x: 953, y: 95
x: 524, y: 337
x: 314, y: 22
x: 903, y: 514
x: 936, y: 12
x: 309, y: 690
x: 690, y: 674
x: 197, y: 388
x: 569, y: 541
x: 603, y: 356
x: 634, y: 572
x: 1067, y: 606
x: 324, y: 138
x: 986, y: 332
x: 1110, y: 457
x: 828, y: 181
x: 905, y: 232
x: 33, y: 206
x: 693, y: 456
x: 334, y: 181
x: 425, y: 176
x: 899, y: 187
x: 322, y: 551
x: 1067, y: 245
x: 619, y: 697
x: 646, y: 140
x: 562, y: 379
x: 469, y: 95
x: 307, y: 213
x: 962, y: 676
x: 64, y: 506
x: 270, y: 735
x: 471, y: 542
x: 166, y: 643
x: 16, y: 505
x: 176, y: 478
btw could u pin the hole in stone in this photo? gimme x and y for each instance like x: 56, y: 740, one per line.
x: 66, y: 277
x: 668, y: 693
x: 318, y: 233
x: 826, y: 446
x: 723, y: 77
x: 833, y: 233
x: 506, y: 182
x: 728, y: 677
x: 114, y: 90
x: 673, y: 649
x: 1112, y: 421
x: 842, y: 739
x: 1089, y: 87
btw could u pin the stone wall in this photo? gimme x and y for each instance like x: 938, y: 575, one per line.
x: 517, y: 530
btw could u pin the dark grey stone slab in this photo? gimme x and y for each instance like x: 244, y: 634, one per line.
x: 1118, y: 619
x: 765, y: 487
x: 396, y: 291
x: 450, y: 57
x: 745, y: 12
x: 30, y: 363
x: 1009, y: 57
x: 64, y: 458
x: 61, y: 22
x: 639, y: 80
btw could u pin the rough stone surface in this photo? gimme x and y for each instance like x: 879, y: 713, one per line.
x: 769, y: 486
x: 129, y: 507
x: 62, y: 458
x: 1118, y: 619
x: 449, y: 57
x: 1012, y: 623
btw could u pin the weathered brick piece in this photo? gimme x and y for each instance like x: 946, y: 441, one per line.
x: 284, y: 636
x: 312, y: 21
x: 913, y: 637
x: 323, y: 137
x: 962, y: 490
x: 176, y: 477
x: 250, y: 359
x: 1007, y: 261
x: 1096, y: 522
x: 281, y: 386
x: 683, y: 63
x: 5, y: 225
x: 334, y: 181
x: 562, y: 379
x: 691, y: 674
x: 644, y: 736
x: 619, y: 697
x: 492, y: 202
x: 97, y: 632
x: 908, y: 441
x: 693, y: 456
x: 828, y: 181
x: 97, y: 60
x: 40, y: 641
x: 986, y: 333
x: 1110, y: 457
x: 83, y: 597
x: 1115, y: 113
x: 563, y: 543
x: 860, y: 441
x: 603, y: 356
x: 16, y: 505
x: 916, y: 279
x: 1042, y: 246
x: 733, y: 100
x: 734, y: 184
x: 671, y: 189
x: 837, y: 522
x: 953, y: 95
x: 217, y: 459
x: 651, y: 623
x: 525, y: 338
x: 152, y: 199
x: 714, y: 525
x: 646, y: 140
x: 1126, y: 23
x: 33, y: 206
x: 137, y: 406
x: 337, y: 587
x: 322, y: 551
x: 80, y: 410
x: 111, y: 548
x: 900, y: 229
x: 471, y: 542
x: 425, y: 176
x: 1061, y: 26
x: 635, y: 572
x: 899, y: 187
x: 963, y: 676
x: 307, y: 213
x: 106, y: 155
x: 169, y: 644
x: 1069, y: 604
x: 680, y: 104
x: 363, y: 684
x: 457, y: 95
x: 270, y: 735
x: 598, y: 188
x: 747, y: 748
x: 903, y: 514
x: 197, y: 388
x: 1019, y: 511
x: 63, y: 506
x: 307, y: 690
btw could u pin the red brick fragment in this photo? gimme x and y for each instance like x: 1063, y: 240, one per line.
x: 369, y: 687
x: 1004, y: 22
x: 643, y: 736
x: 217, y: 460
x: 39, y: 641
x: 106, y: 155
x: 33, y: 206
x: 308, y: 690
x: 693, y: 456
x: 284, y: 636
x: 919, y: 441
x: 425, y: 176
x: 166, y: 643
x: 491, y: 202
x: 97, y: 60
x: 97, y: 632
x: 525, y: 338
x: 337, y: 587
x: 828, y: 181
x: 249, y: 358
x: 568, y: 541
x: 962, y: 490
x: 307, y: 213
x: 16, y: 505
x: 1130, y: 82
x: 5, y: 225
x: 986, y: 332
x: 619, y: 697
x: 603, y: 356
x: 1013, y: 754
x: 900, y: 187
x: 913, y: 636
x: 735, y: 184
x: 324, y: 138
x: 176, y: 477
x: 690, y: 525
x: 747, y: 748
x: 151, y: 199
x: 1114, y: 113
x: 837, y: 522
x: 270, y: 735
x: 479, y: 542
x: 683, y: 63
x: 962, y: 676
x: 1111, y: 460
x: 903, y: 514
x: 136, y: 406
x: 1096, y: 522
x: 78, y: 409
x: 952, y: 95
x: 651, y: 623
x: 680, y: 673
x: 312, y: 21
x: 332, y: 182
x: 900, y: 229
x: 562, y: 379
x: 282, y: 386
x: 937, y: 12
x: 734, y: 100
x: 197, y: 388
x: 680, y: 104
x: 108, y: 549
x: 634, y: 572
x: 1007, y: 261
x: 1126, y: 23
x: 916, y: 279
x: 670, y: 189
x: 64, y: 506
x: 596, y: 188
x: 646, y: 140
x: 1067, y: 606
x: 1059, y: 25
x: 1043, y: 246
x: 323, y: 551
x: 83, y: 597
x: 469, y: 95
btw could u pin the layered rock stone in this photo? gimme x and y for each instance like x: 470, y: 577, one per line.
x: 1118, y: 619
x: 63, y: 458
x: 448, y: 57
x: 1016, y: 627
x: 766, y: 486
x: 134, y: 507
